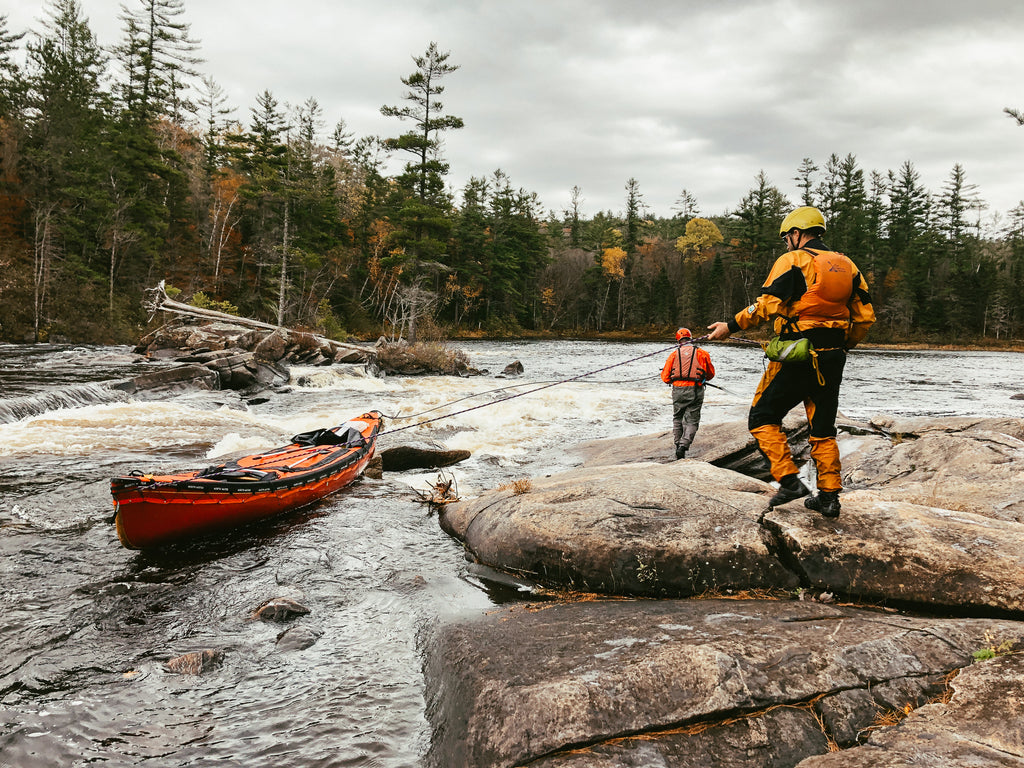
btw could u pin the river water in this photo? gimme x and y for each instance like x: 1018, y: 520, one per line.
x: 87, y: 625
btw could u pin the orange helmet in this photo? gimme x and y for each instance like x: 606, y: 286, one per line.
x: 683, y: 333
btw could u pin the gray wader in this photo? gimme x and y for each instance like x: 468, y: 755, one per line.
x: 686, y: 405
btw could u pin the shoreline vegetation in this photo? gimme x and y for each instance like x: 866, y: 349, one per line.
x: 277, y: 218
x: 996, y: 345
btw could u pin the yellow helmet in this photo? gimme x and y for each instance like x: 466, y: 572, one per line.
x: 805, y: 217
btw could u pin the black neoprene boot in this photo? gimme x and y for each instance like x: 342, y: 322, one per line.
x: 680, y: 452
x: 790, y: 488
x: 826, y: 502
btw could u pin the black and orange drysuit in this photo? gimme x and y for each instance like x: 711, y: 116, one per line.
x: 686, y: 369
x: 820, y: 295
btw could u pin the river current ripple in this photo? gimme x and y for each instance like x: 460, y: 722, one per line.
x: 87, y: 625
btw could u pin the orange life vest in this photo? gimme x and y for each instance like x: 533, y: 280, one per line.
x: 685, y: 366
x: 828, y: 296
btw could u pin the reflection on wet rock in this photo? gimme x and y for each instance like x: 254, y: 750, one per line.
x: 280, y: 609
x: 298, y: 638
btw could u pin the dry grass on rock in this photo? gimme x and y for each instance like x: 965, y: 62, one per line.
x: 403, y: 358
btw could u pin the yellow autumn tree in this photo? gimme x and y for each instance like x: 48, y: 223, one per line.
x: 700, y: 240
x: 613, y: 263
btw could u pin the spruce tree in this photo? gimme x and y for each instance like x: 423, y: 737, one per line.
x: 422, y: 208
x: 64, y: 163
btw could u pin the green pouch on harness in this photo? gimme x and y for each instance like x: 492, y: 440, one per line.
x: 789, y: 350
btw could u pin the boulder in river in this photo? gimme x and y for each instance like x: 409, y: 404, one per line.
x: 514, y: 368
x: 195, y: 663
x: 280, y: 609
x: 298, y: 638
x: 168, y: 380
x: 405, y: 457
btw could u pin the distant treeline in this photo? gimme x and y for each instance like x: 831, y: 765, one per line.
x: 120, y: 168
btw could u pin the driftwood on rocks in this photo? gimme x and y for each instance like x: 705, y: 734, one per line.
x: 159, y: 301
x: 246, y: 355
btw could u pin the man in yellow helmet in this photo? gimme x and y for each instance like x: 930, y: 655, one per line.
x: 820, y: 295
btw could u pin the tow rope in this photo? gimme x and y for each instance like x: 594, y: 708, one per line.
x: 527, y: 392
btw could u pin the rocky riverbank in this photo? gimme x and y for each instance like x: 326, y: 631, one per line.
x: 890, y: 631
x: 219, y: 354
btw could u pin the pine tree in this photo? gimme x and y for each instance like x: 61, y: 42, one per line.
x: 423, y: 209
x: 158, y: 58
x: 805, y: 180
x: 754, y: 232
x: 11, y: 81
x: 63, y: 157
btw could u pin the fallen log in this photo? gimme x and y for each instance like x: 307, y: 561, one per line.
x: 158, y: 301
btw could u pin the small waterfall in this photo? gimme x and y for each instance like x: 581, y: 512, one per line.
x: 74, y: 396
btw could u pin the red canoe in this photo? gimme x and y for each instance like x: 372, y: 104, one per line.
x: 156, y: 509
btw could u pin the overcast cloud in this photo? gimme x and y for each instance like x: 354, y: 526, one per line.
x: 677, y: 94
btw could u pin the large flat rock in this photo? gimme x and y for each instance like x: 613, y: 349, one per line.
x: 680, y: 682
x: 963, y: 464
x: 881, y: 550
x: 688, y: 528
x: 640, y: 529
x: 982, y: 725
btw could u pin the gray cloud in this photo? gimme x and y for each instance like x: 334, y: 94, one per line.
x: 677, y: 94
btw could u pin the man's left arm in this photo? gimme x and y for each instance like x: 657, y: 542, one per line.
x: 706, y: 365
x: 862, y: 314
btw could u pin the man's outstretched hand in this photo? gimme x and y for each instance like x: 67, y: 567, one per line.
x: 718, y: 331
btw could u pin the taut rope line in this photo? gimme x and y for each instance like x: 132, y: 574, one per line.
x: 537, y: 389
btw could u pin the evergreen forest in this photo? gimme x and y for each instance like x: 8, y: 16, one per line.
x: 122, y: 167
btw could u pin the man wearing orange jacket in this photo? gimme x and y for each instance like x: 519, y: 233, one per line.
x: 815, y: 294
x: 686, y: 369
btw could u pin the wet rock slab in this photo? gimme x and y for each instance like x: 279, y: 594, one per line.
x: 981, y: 725
x: 680, y: 529
x: 638, y: 529
x: 725, y: 444
x: 680, y: 682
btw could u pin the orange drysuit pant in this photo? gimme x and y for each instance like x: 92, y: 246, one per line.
x: 782, y: 387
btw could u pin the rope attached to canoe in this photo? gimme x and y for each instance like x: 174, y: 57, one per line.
x: 527, y: 392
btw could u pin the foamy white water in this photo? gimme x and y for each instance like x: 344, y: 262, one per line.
x: 87, y: 623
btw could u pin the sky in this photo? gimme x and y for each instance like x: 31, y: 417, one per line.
x: 695, y: 95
